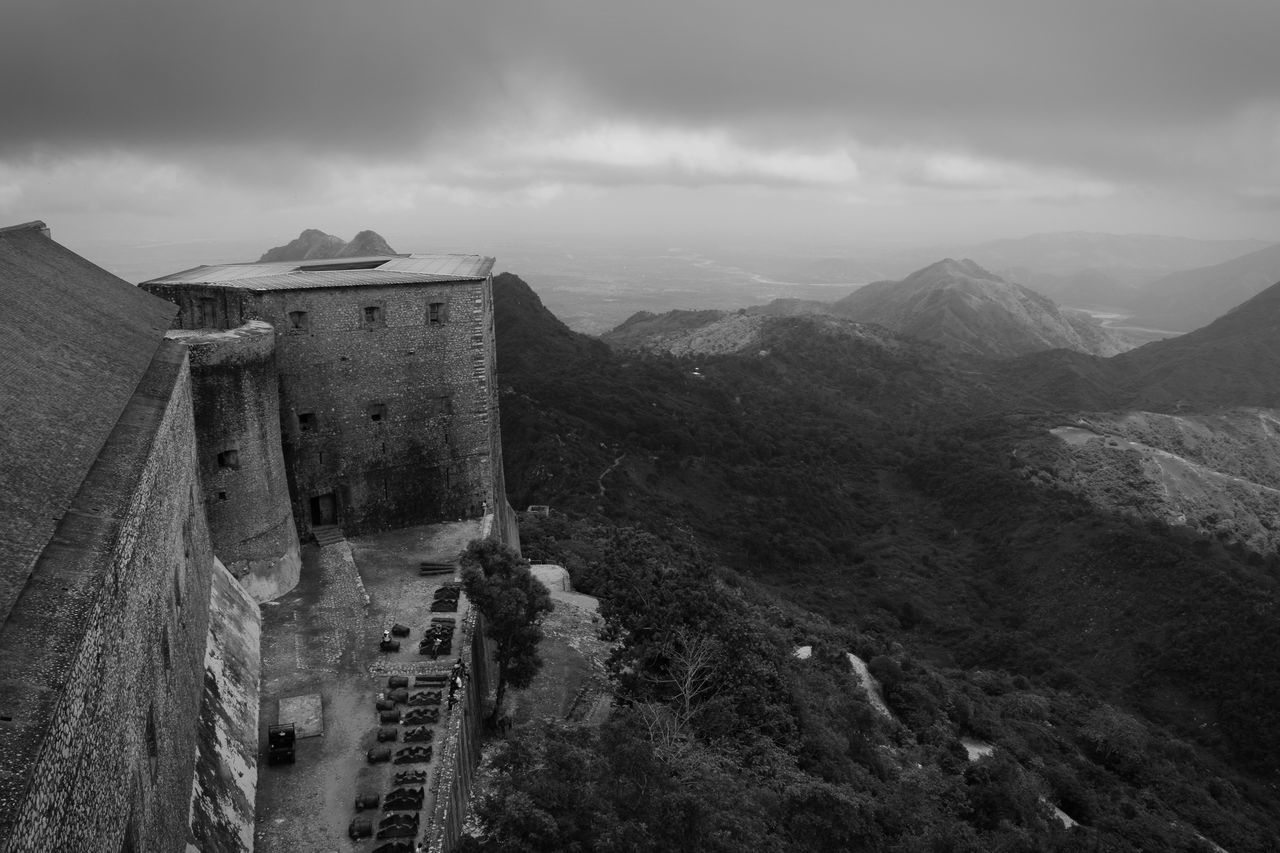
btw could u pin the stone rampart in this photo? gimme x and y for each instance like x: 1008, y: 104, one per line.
x: 459, y: 749
x: 246, y: 490
x: 104, y: 653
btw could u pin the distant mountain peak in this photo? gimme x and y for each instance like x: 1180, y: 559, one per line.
x: 313, y: 244
x: 965, y: 268
x: 967, y: 308
x: 367, y: 243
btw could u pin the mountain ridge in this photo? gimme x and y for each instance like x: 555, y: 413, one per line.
x: 954, y: 303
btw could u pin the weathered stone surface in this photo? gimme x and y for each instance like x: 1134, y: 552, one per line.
x: 104, y: 649
x: 246, y: 491
x: 222, y: 798
x: 388, y: 408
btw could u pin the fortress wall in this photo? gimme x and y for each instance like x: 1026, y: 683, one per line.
x: 459, y: 749
x: 202, y: 306
x: 225, y: 788
x: 104, y: 651
x: 387, y: 423
x: 246, y: 491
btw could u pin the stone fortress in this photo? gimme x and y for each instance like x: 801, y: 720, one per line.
x: 171, y: 445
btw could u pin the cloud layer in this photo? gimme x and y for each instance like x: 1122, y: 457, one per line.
x: 511, y: 101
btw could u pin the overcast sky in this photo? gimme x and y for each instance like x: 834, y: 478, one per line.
x: 838, y: 122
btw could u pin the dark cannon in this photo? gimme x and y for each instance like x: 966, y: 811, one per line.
x: 404, y: 800
x: 379, y: 755
x: 397, y: 681
x: 394, y: 847
x: 420, y: 716
x: 439, y: 680
x: 398, y: 826
x: 391, y: 717
x: 417, y: 792
x: 399, y: 695
x: 409, y: 777
x: 398, y: 630
x: 360, y: 827
x: 412, y: 755
x: 387, y: 733
x: 366, y: 801
x: 389, y: 646
x: 384, y: 704
x: 418, y: 734
x: 425, y: 697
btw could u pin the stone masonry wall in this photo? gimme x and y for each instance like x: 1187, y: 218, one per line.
x: 246, y: 491
x: 110, y: 640
x: 458, y: 750
x: 207, y: 306
x: 391, y: 420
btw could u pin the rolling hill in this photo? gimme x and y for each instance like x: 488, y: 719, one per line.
x: 965, y: 308
x: 1189, y: 299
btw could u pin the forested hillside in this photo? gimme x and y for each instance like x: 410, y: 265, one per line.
x: 869, y: 495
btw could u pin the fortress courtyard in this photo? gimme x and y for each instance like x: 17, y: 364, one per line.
x: 322, y: 638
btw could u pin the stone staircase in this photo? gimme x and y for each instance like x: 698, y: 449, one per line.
x: 327, y: 535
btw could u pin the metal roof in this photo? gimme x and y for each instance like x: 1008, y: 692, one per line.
x: 302, y: 275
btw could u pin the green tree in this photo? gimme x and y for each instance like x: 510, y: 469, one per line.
x: 498, y: 582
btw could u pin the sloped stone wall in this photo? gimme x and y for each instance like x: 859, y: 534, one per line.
x: 104, y: 652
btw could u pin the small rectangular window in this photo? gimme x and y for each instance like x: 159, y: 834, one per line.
x: 229, y: 459
x: 373, y: 315
x: 435, y: 314
x: 222, y: 496
x: 299, y: 321
x: 376, y: 411
x: 306, y: 421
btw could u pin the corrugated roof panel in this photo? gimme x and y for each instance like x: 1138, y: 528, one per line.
x: 471, y: 266
x: 293, y: 275
x: 333, y: 278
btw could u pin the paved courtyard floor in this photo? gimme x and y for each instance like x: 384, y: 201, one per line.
x: 322, y: 638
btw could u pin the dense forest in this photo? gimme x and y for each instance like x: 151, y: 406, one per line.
x: 857, y: 493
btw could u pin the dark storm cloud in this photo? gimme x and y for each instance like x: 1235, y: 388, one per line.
x: 315, y: 74
x: 1132, y: 88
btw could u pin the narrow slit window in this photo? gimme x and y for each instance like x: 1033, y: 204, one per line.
x: 306, y: 421
x: 377, y: 411
x: 435, y: 314
x: 299, y: 321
